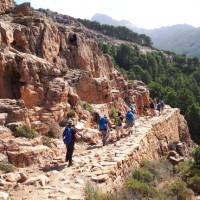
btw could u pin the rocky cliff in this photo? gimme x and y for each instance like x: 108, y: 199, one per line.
x: 51, y: 68
x: 47, y: 66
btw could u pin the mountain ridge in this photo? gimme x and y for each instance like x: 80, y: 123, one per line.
x: 179, y: 38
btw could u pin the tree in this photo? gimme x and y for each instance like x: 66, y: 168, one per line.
x: 170, y: 96
x: 156, y: 90
x: 185, y: 99
x: 193, y: 119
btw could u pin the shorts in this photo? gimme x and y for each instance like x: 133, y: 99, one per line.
x: 130, y: 123
x: 118, y: 128
x: 104, y: 131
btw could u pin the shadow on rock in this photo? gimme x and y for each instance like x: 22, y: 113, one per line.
x: 52, y: 167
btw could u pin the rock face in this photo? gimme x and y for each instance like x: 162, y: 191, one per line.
x: 43, y: 60
x: 6, y: 5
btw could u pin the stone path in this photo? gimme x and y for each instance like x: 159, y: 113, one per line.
x: 104, y: 165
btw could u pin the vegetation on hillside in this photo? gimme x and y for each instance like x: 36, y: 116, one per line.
x: 171, y: 77
x: 119, y: 32
x: 25, y: 131
x: 6, y: 167
x: 156, y: 180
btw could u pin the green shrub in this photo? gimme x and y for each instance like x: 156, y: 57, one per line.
x: 114, y: 115
x: 160, y: 170
x: 143, y: 175
x: 178, y: 190
x: 196, y: 155
x: 87, y: 106
x: 141, y: 188
x: 6, y: 167
x: 93, y: 193
x: 194, y: 183
x: 184, y: 169
x: 25, y: 131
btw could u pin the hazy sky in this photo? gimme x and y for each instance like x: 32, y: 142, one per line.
x: 142, y: 13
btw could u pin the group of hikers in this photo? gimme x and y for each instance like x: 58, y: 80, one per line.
x: 70, y: 133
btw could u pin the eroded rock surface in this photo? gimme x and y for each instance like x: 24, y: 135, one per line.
x: 44, y: 61
x: 6, y: 5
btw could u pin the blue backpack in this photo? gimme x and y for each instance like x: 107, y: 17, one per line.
x: 130, y: 116
x: 103, y: 123
x: 67, y: 136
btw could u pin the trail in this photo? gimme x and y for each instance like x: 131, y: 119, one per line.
x: 97, y: 163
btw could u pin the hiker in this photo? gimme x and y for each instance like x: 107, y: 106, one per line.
x: 96, y: 118
x: 69, y: 136
x: 133, y: 108
x: 130, y: 121
x: 176, y: 156
x: 158, y: 108
x: 104, y: 128
x: 119, y: 127
x: 162, y: 106
x: 145, y: 110
x: 152, y: 108
x: 180, y: 149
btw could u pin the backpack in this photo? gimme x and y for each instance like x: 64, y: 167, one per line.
x: 67, y: 136
x: 103, y: 123
x: 158, y: 106
x: 162, y: 104
x: 130, y: 116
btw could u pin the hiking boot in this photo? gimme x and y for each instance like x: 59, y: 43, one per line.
x: 70, y: 163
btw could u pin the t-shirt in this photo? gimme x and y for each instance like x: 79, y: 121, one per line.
x: 73, y: 134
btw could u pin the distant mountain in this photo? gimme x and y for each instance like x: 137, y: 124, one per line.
x: 104, y: 19
x: 181, y: 38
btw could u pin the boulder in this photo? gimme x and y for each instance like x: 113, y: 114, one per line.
x: 3, y: 117
x: 29, y: 155
x: 3, y: 157
x: 23, y: 9
x: 42, y: 180
x: 5, y: 132
x: 4, y: 195
x: 6, y: 5
x: 15, y: 177
x: 94, y: 90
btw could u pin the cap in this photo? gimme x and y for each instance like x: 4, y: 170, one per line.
x: 69, y: 122
x: 180, y: 144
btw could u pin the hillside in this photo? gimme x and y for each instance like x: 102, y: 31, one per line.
x: 181, y: 39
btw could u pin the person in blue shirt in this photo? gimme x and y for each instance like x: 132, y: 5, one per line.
x: 104, y: 128
x: 130, y: 121
x: 69, y: 136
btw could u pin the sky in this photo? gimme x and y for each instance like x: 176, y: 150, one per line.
x: 142, y: 13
